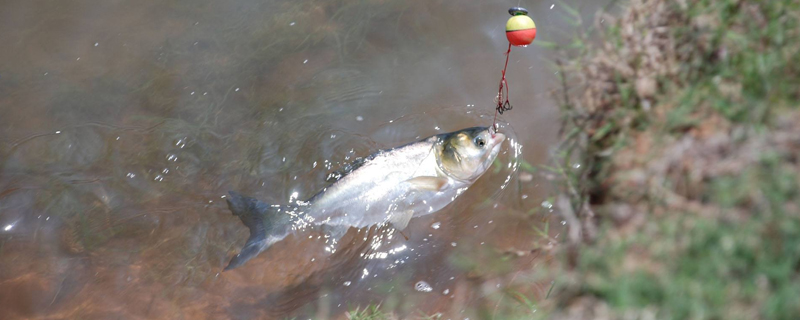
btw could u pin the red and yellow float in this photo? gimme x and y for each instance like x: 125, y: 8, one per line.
x: 520, y: 29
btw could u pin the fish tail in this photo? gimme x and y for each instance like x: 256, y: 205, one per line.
x: 260, y: 218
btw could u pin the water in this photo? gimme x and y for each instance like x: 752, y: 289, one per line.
x: 122, y: 124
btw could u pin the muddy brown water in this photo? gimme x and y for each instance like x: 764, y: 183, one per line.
x: 122, y: 123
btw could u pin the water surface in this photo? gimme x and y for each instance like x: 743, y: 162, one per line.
x: 122, y: 123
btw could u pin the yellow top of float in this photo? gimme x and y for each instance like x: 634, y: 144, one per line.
x: 520, y: 22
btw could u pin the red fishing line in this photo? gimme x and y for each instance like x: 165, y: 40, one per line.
x: 520, y: 31
x: 501, y: 104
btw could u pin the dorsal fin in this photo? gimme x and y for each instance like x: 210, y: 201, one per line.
x: 360, y: 161
x: 349, y: 167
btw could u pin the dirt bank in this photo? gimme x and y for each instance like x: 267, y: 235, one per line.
x: 683, y: 126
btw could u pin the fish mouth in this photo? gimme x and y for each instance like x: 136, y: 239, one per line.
x: 495, y: 142
x: 498, y: 138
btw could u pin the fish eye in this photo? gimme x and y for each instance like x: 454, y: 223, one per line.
x: 480, y: 142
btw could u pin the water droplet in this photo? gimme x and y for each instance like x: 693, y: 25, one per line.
x: 563, y: 222
x: 359, y: 118
x: 436, y: 225
x: 552, y: 6
x: 423, y: 286
x: 96, y: 44
x: 576, y: 166
x: 346, y: 283
x: 547, y: 204
x: 291, y: 23
x: 453, y: 244
x: 333, y: 136
x: 305, y: 61
x: 437, y: 128
x: 8, y: 227
x: 58, y: 132
x: 237, y: 90
x: 524, y: 196
x: 192, y: 93
x: 130, y: 175
x: 446, y: 291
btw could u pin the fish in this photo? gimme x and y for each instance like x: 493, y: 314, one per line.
x: 390, y: 186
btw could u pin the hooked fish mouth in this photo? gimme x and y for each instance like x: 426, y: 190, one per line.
x: 495, y: 142
x: 498, y: 138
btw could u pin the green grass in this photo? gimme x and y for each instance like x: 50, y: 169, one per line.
x: 371, y: 312
x: 690, y: 267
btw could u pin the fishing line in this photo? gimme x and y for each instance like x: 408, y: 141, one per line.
x: 502, y: 105
x: 520, y: 31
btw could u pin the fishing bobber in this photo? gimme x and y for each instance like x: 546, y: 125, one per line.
x: 520, y: 29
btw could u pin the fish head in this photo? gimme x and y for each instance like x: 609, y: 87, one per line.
x: 466, y: 154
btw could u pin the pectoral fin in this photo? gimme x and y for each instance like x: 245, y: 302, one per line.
x: 400, y: 219
x: 428, y: 183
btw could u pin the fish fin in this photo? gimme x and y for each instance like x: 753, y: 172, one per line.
x: 400, y: 219
x: 349, y: 167
x: 260, y: 218
x: 428, y: 183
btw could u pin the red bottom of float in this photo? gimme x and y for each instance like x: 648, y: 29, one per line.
x: 521, y: 37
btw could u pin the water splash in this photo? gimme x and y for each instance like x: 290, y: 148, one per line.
x: 423, y: 286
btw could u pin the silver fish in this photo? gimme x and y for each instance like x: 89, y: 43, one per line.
x: 388, y: 187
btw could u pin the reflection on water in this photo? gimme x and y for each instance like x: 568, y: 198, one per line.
x: 123, y: 123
